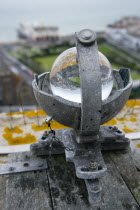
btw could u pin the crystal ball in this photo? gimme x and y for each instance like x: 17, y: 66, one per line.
x: 65, y: 78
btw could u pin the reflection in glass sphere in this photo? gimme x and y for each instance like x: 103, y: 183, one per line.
x: 65, y: 80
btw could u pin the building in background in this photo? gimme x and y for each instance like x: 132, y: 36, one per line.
x: 37, y: 32
x: 15, y: 82
x: 125, y: 33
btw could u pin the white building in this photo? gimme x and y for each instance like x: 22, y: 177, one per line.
x: 120, y: 36
x: 37, y: 32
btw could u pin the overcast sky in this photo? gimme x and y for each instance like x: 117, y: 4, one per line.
x: 69, y: 16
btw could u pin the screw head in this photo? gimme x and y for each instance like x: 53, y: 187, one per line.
x: 11, y: 168
x: 26, y: 164
x: 87, y: 35
x: 93, y: 166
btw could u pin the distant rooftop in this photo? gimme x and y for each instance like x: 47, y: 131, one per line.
x: 131, y: 23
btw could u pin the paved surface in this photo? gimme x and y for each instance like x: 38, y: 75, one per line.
x: 17, y: 68
x: 59, y: 189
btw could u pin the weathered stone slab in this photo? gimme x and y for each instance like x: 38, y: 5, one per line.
x: 68, y: 192
x: 125, y: 165
x: 59, y: 189
x: 28, y: 190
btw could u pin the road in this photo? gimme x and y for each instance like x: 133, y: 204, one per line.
x: 17, y: 68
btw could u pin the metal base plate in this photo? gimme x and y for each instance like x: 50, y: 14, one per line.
x: 23, y: 166
x: 84, y: 152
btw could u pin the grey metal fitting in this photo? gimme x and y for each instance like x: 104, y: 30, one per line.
x: 86, y: 36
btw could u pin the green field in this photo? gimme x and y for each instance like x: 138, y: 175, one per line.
x: 39, y: 60
x: 117, y: 57
x: 46, y: 62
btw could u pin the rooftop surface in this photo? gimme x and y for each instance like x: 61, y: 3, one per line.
x: 20, y: 129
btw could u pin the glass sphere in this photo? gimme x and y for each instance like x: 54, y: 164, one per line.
x: 65, y: 79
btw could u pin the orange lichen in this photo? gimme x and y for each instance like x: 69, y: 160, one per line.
x: 27, y: 139
x: 39, y: 128
x: 111, y: 122
x: 14, y: 113
x: 43, y: 126
x: 131, y: 103
x: 121, y: 119
x: 133, y: 119
x: 127, y: 130
x: 34, y: 113
x: 8, y: 135
x: 136, y: 107
x: 138, y: 145
x: 16, y: 129
x: 135, y: 115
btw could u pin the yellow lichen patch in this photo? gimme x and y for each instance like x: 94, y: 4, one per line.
x: 34, y: 113
x: 8, y: 135
x: 39, y: 128
x: 131, y: 103
x: 14, y: 113
x: 16, y: 129
x: 41, y: 112
x: 136, y: 107
x: 127, y: 130
x: 137, y: 103
x: 111, y: 122
x: 133, y: 119
x: 27, y: 139
x: 121, y: 119
x: 138, y: 145
x: 54, y: 125
x: 135, y: 115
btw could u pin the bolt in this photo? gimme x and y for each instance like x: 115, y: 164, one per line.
x: 93, y: 166
x: 26, y: 164
x: 114, y: 128
x: 87, y: 35
x: 11, y: 169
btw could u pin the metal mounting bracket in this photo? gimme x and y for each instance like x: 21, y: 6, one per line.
x: 87, y: 157
x: 23, y: 166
